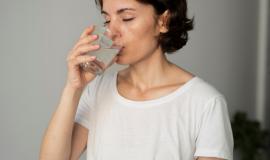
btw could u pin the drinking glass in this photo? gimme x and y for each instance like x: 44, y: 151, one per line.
x: 104, y: 55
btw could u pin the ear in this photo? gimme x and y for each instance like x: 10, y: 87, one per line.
x: 163, y: 22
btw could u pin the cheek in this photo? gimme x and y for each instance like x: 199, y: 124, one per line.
x: 139, y: 45
x: 141, y: 36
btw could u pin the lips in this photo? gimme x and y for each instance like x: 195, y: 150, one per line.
x: 115, y: 46
x: 118, y: 47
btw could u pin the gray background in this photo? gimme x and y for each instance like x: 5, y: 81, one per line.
x: 36, y: 35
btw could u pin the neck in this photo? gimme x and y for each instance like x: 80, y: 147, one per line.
x: 150, y: 72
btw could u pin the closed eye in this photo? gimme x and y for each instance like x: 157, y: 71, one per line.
x: 128, y: 19
x: 106, y: 22
x: 125, y: 20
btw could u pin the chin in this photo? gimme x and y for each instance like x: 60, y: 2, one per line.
x: 120, y: 60
x: 123, y: 60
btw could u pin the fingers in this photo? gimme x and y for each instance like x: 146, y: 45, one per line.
x: 84, y: 49
x: 84, y: 44
x: 78, y: 54
x: 84, y: 59
x: 86, y: 40
x: 100, y: 64
x: 87, y: 31
x: 79, y: 60
x: 81, y: 50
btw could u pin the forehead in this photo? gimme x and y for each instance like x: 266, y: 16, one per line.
x: 119, y: 6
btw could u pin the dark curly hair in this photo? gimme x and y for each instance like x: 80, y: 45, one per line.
x: 178, y: 23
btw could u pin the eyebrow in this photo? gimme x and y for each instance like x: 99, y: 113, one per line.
x: 119, y: 11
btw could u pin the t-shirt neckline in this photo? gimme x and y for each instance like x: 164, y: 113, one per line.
x: 180, y: 90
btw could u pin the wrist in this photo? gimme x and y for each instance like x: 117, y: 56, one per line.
x: 73, y: 90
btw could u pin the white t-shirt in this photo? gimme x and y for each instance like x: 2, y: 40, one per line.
x: 191, y: 121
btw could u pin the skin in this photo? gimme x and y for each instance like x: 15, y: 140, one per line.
x: 64, y: 139
x: 149, y: 75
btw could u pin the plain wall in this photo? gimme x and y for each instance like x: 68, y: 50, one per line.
x: 222, y: 49
x: 37, y: 35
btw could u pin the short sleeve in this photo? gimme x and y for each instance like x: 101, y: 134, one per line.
x: 86, y: 104
x: 215, y: 138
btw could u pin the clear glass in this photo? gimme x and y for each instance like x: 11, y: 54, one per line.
x: 104, y: 55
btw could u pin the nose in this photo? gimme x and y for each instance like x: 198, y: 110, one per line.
x: 113, y: 31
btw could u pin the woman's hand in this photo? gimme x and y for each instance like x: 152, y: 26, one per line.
x: 77, y: 77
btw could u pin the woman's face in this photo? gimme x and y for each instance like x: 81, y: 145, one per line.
x: 133, y: 27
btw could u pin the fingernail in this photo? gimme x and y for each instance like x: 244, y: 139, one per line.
x: 93, y: 57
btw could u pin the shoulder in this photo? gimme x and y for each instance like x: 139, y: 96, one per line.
x: 213, y: 129
x: 202, y: 95
x: 201, y: 89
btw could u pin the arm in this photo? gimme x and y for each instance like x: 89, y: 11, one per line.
x: 63, y: 138
x: 79, y: 141
x: 215, y: 138
x: 58, y: 136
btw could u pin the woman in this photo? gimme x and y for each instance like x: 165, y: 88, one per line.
x: 153, y: 109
